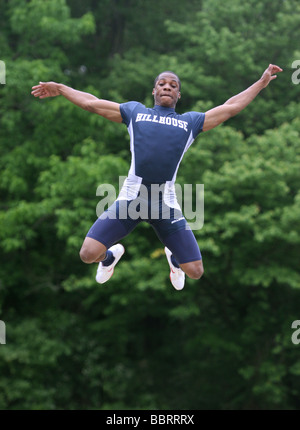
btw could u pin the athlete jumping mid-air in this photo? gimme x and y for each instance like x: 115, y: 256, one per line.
x: 159, y: 137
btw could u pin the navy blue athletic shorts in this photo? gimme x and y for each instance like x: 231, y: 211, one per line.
x: 169, y: 224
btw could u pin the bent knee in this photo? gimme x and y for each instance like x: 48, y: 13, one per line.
x: 92, y: 251
x: 196, y: 271
x: 88, y: 256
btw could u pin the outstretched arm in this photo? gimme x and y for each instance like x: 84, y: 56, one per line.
x: 107, y: 109
x: 235, y: 104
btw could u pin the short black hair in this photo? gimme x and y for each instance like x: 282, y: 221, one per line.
x: 168, y: 71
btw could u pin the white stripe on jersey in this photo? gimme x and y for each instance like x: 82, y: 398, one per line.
x: 188, y: 144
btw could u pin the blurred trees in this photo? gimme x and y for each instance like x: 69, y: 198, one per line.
x: 224, y: 342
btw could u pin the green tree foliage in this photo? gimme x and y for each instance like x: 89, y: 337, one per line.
x: 224, y: 342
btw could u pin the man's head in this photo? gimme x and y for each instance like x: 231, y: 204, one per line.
x: 166, y: 89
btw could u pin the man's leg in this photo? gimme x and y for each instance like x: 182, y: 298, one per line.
x: 182, y: 251
x: 98, y: 246
x: 92, y: 251
x: 194, y: 270
x: 184, y: 257
x: 185, y: 253
x: 181, y: 248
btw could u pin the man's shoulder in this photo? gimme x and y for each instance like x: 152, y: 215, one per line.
x: 132, y: 105
x: 195, y: 119
x: 129, y: 110
x: 192, y: 114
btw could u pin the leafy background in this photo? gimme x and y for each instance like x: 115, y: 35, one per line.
x: 224, y: 342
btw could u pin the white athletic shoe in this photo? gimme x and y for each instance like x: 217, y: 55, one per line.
x: 104, y: 273
x: 177, y: 276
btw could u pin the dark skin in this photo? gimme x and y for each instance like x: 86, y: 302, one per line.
x: 166, y: 93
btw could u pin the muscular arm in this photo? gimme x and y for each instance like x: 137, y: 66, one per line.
x: 107, y: 109
x: 235, y: 104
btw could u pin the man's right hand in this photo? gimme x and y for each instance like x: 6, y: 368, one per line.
x: 45, y: 89
x: 107, y: 109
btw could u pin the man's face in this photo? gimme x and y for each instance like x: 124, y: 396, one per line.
x: 166, y: 92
